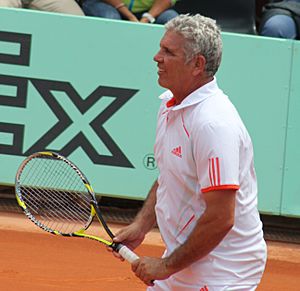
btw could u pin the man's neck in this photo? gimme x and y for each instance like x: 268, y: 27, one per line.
x: 182, y: 94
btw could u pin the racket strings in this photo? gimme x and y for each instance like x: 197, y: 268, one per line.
x: 55, y: 194
x: 55, y: 182
x: 58, y: 207
x: 51, y: 213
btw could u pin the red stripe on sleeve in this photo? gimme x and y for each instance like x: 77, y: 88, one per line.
x: 213, y: 170
x: 218, y: 171
x: 220, y: 187
x: 209, y: 171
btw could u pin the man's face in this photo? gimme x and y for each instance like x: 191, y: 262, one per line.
x: 173, y: 71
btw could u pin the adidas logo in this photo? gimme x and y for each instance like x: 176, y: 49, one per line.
x: 177, y: 152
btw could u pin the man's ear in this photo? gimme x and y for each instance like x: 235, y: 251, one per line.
x: 199, y: 65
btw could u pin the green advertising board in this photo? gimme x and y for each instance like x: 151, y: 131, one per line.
x: 82, y: 87
x: 290, y: 204
x: 87, y: 88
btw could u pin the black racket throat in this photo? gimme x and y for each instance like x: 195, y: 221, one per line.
x: 100, y: 217
x: 115, y: 246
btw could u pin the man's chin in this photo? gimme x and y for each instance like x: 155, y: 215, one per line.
x: 162, y: 83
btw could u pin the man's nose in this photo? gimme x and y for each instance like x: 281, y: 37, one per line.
x: 157, y: 58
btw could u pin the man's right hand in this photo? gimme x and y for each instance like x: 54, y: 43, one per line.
x: 131, y: 236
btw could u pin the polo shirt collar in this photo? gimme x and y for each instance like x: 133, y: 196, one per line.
x: 195, y: 97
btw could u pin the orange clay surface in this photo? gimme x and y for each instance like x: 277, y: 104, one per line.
x: 31, y: 259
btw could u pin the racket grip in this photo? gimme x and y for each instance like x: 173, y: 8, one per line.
x: 127, y: 253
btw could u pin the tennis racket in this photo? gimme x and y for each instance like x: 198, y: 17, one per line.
x: 57, y: 197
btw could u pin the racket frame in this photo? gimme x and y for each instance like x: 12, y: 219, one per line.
x: 124, y: 251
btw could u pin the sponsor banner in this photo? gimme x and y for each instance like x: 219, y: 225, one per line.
x: 83, y: 87
x: 87, y: 88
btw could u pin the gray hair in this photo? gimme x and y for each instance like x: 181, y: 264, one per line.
x: 202, y: 35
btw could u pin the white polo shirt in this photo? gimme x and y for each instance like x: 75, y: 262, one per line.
x: 202, y: 145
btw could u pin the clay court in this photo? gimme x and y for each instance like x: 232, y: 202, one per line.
x: 33, y: 260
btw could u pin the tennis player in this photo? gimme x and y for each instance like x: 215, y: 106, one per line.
x: 205, y: 198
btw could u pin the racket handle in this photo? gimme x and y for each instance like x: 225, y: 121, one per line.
x: 127, y: 253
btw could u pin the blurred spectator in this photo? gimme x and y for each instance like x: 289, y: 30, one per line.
x: 146, y: 11
x: 281, y: 19
x: 59, y: 6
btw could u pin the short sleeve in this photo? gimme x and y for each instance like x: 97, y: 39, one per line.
x: 216, y: 154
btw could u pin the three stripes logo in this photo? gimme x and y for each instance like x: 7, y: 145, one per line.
x: 214, y: 171
x: 177, y: 152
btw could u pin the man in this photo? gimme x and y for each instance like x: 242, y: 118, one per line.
x: 205, y: 198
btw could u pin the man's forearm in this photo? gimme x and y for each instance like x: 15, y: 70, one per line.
x: 210, y: 230
x: 203, y: 239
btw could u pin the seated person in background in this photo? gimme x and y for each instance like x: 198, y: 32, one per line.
x: 281, y: 19
x: 146, y: 11
x: 59, y: 6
